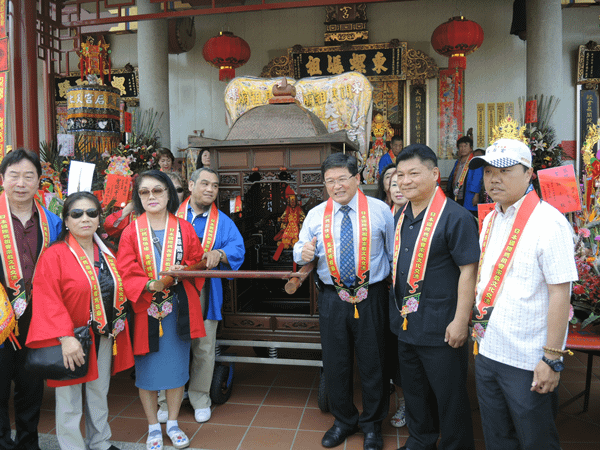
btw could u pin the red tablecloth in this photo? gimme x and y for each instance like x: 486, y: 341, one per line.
x: 587, y: 339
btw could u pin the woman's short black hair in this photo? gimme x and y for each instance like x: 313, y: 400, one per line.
x: 68, y: 206
x: 381, y: 194
x: 164, y: 151
x: 199, y: 164
x: 15, y: 156
x: 161, y: 177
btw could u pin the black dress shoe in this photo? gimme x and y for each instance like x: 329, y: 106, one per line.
x: 373, y: 441
x: 337, y: 435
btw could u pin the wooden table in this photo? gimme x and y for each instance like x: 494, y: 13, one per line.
x: 585, y: 341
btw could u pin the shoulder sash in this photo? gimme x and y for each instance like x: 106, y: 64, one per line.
x: 11, y: 263
x: 212, y: 224
x: 420, y: 256
x: 483, y: 310
x: 463, y: 175
x: 359, y: 291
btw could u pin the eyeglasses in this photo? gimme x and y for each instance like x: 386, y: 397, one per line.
x: 156, y: 192
x: 179, y: 190
x: 341, y: 181
x: 92, y: 213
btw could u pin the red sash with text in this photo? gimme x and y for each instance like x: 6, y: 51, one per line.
x: 99, y: 315
x: 162, y: 302
x: 11, y: 263
x: 483, y: 310
x: 461, y: 178
x: 212, y: 224
x: 359, y: 291
x: 418, y: 262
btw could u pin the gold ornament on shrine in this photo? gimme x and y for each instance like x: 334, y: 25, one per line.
x: 508, y: 128
x: 587, y: 150
x: 94, y: 59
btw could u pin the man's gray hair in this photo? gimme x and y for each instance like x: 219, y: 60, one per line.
x: 196, y: 173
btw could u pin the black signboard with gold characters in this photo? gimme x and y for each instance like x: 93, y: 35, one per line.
x: 588, y: 64
x: 375, y: 61
x: 126, y: 81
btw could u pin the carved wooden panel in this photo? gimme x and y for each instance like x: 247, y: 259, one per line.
x: 297, y: 323
x: 229, y: 179
x: 248, y: 322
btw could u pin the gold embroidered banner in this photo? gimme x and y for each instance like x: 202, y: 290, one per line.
x: 342, y: 102
x: 500, y: 111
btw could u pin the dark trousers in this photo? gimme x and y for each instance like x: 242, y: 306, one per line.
x: 29, y: 391
x: 341, y: 337
x: 434, y: 381
x: 513, y: 417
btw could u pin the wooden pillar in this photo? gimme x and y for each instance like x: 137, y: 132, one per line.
x: 24, y: 107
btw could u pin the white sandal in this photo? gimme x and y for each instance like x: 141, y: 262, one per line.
x: 154, y: 441
x: 178, y: 438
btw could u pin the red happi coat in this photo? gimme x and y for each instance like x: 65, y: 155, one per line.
x: 62, y: 296
x: 135, y: 279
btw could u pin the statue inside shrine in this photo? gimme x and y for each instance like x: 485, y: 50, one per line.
x: 381, y: 131
x: 291, y: 221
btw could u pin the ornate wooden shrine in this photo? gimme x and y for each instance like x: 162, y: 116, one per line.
x: 269, y: 150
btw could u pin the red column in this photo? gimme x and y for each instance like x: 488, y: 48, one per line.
x: 24, y: 69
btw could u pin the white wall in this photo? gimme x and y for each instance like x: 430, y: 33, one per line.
x: 495, y: 73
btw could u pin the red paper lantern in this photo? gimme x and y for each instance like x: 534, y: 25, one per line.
x: 226, y: 52
x: 456, y: 39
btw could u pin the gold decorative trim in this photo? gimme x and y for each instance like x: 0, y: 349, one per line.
x: 419, y: 66
x: 346, y: 36
x: 589, y: 47
x: 278, y: 67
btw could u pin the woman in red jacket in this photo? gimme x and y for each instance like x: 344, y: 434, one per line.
x: 76, y: 282
x: 166, y: 319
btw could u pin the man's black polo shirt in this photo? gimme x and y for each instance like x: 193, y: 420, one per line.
x: 455, y: 243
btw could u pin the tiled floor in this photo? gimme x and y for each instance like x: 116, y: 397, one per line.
x: 275, y: 407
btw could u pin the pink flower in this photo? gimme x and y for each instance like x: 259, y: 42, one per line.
x: 584, y: 232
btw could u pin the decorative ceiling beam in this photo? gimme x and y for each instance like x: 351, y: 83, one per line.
x: 285, y: 4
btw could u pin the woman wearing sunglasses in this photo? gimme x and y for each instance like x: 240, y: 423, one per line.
x: 77, y: 283
x: 166, y: 319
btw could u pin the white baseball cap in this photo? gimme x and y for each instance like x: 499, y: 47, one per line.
x: 503, y: 153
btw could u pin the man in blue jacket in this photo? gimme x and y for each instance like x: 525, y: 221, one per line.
x: 464, y: 184
x: 223, y: 250
x: 26, y: 229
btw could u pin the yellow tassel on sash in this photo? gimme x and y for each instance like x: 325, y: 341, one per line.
x: 160, y: 330
x: 16, y: 327
x: 114, y: 346
x: 475, y: 348
x: 405, y: 324
x: 355, y: 311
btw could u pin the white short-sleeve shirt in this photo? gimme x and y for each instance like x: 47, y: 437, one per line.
x: 517, y: 328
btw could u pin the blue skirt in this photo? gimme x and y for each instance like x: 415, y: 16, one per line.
x: 169, y: 367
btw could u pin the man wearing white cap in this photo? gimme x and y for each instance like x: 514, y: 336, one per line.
x: 525, y: 274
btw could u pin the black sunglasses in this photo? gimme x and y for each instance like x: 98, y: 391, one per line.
x: 92, y: 213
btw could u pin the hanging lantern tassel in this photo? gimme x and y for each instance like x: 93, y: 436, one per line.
x: 355, y: 312
x: 160, y: 330
x: 226, y: 73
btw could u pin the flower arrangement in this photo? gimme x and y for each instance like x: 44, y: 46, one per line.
x: 585, y: 297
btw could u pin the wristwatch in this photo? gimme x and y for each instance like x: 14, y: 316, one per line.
x: 222, y: 253
x: 555, y: 364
